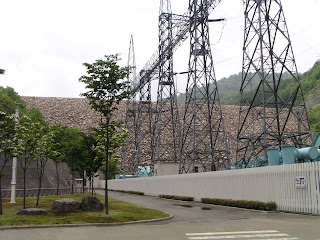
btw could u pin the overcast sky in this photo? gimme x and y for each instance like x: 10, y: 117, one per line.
x: 43, y: 43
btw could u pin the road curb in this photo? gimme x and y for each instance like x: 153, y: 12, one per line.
x: 88, y: 224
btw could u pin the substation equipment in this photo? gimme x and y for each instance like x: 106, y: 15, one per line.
x: 193, y: 137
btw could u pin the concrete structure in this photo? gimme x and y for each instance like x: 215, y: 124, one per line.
x: 166, y: 168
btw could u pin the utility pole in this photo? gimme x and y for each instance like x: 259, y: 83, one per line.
x: 14, y: 168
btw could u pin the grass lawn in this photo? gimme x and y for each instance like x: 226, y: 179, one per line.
x: 119, y: 212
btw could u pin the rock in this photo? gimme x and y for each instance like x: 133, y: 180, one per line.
x: 91, y: 203
x: 66, y: 205
x: 32, y: 211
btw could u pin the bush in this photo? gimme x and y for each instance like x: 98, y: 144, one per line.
x: 135, y: 192
x: 181, y: 198
x: 122, y: 191
x: 267, y: 206
x: 131, y: 192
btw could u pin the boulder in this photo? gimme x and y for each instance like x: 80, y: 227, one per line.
x: 32, y: 211
x: 91, y: 203
x: 66, y: 205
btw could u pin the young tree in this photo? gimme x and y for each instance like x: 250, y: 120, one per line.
x: 107, y: 87
x: 28, y: 134
x: 70, y: 145
x: 117, y: 136
x: 93, y: 164
x: 57, y: 146
x: 44, y: 152
x: 7, y: 136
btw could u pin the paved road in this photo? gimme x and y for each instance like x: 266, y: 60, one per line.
x: 191, y: 222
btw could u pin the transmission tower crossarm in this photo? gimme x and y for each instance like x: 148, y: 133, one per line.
x: 181, y: 33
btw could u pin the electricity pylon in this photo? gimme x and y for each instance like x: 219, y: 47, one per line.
x: 268, y: 118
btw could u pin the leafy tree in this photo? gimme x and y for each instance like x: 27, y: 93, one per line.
x: 9, y: 100
x: 117, y: 136
x: 107, y: 87
x: 93, y: 163
x: 36, y: 115
x: 43, y: 153
x: 28, y: 134
x: 56, y: 147
x: 314, y: 116
x: 7, y: 134
x: 70, y: 147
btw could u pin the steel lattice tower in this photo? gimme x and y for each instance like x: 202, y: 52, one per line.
x: 144, y: 139
x: 128, y: 157
x: 267, y: 118
x: 166, y: 127
x: 203, y: 145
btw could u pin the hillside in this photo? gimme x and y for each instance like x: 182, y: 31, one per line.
x: 229, y: 88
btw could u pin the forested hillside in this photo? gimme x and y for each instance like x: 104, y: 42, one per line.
x: 310, y: 82
x: 229, y: 88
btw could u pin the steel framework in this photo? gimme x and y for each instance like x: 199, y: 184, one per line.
x: 268, y: 118
x: 203, y: 146
x: 180, y: 28
x: 128, y: 158
x: 166, y: 125
x: 180, y: 32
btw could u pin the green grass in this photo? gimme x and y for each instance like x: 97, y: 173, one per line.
x: 119, y: 212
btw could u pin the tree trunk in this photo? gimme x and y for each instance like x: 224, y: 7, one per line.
x: 107, y: 169
x: 72, y: 176
x: 24, y: 188
x: 39, y: 190
x: 57, y: 172
x: 83, y: 182
x: 72, y: 184
x: 4, y: 164
x: 0, y: 196
x: 91, y: 184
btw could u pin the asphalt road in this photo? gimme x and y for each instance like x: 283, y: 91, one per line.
x: 195, y: 222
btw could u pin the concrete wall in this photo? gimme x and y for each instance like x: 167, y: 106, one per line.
x: 49, y: 178
x: 277, y: 183
x: 166, y: 168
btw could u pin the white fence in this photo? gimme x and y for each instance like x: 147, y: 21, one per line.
x: 295, y: 188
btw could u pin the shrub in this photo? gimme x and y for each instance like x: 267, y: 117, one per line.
x: 135, y: 192
x: 181, y: 198
x: 122, y: 191
x: 166, y: 196
x: 267, y: 206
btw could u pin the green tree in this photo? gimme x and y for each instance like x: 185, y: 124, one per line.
x: 117, y: 136
x: 10, y: 100
x: 44, y: 152
x: 7, y: 134
x: 71, y: 148
x: 28, y: 134
x: 93, y: 163
x: 314, y: 119
x: 107, y: 87
x: 57, y: 149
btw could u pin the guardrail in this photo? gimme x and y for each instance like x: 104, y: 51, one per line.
x: 32, y: 192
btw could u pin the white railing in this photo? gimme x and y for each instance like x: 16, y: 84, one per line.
x: 295, y: 188
x: 33, y: 192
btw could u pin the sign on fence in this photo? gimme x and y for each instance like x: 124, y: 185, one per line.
x: 301, y: 181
